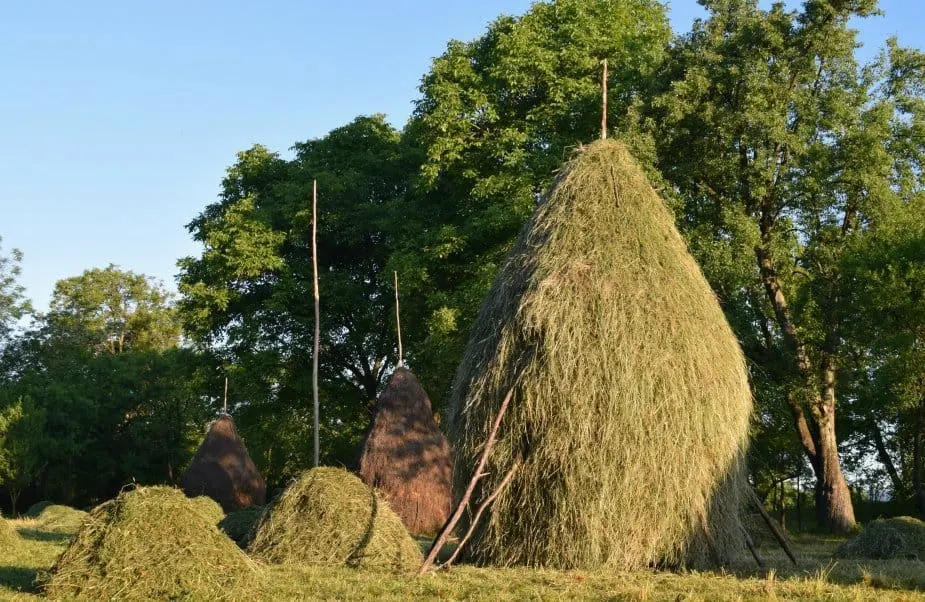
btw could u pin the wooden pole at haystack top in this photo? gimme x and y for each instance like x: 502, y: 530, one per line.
x: 604, y: 95
x: 398, y: 324
x: 317, y: 321
x: 225, y: 404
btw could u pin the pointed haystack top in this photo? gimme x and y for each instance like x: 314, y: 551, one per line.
x: 631, y: 402
x: 406, y: 456
x: 223, y: 470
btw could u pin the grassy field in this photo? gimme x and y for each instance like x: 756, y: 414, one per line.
x: 818, y: 578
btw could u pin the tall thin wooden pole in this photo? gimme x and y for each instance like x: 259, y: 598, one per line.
x: 604, y: 103
x: 317, y: 319
x: 398, y: 324
x: 225, y: 404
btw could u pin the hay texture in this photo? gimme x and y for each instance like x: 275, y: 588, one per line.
x: 406, y: 457
x: 36, y: 508
x: 901, y: 538
x: 223, y: 470
x: 631, y: 403
x: 9, y: 537
x: 329, y: 517
x: 152, y: 543
x: 56, y: 518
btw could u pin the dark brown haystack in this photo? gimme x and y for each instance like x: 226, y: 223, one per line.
x: 223, y: 470
x: 407, y: 458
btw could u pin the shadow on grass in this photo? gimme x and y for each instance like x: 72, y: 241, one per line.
x: 45, y: 536
x: 19, y: 578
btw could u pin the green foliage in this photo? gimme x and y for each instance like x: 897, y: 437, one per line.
x: 13, y: 304
x: 497, y: 117
x: 248, y: 296
x: 21, y: 440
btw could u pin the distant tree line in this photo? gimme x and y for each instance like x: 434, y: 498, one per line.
x: 794, y: 172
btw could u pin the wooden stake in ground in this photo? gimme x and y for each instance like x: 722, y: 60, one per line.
x: 770, y: 523
x: 444, y: 534
x: 225, y: 403
x: 604, y: 103
x: 398, y: 323
x: 315, y: 420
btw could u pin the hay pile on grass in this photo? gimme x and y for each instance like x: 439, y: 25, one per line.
x: 631, y: 401
x: 151, y: 543
x: 223, y: 470
x: 406, y: 457
x: 901, y: 538
x: 239, y: 525
x: 57, y: 518
x: 36, y: 508
x: 329, y: 517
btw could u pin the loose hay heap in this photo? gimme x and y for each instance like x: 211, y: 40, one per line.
x: 887, y: 539
x: 37, y: 508
x: 329, y: 517
x: 406, y: 457
x: 631, y: 402
x: 57, y: 518
x: 152, y: 543
x: 223, y: 470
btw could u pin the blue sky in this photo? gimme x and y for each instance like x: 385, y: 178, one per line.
x: 118, y: 119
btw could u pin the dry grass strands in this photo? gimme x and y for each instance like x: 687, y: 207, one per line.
x: 223, y: 470
x: 331, y: 518
x: 239, y: 525
x: 152, y: 543
x: 9, y: 537
x: 60, y: 519
x: 630, y: 414
x: 406, y: 457
x: 901, y: 538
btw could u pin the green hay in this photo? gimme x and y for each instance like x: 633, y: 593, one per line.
x: 901, y: 538
x: 631, y: 399
x: 209, y: 508
x: 9, y: 537
x: 36, y: 508
x: 152, y: 543
x: 239, y: 525
x: 330, y: 518
x: 56, y: 518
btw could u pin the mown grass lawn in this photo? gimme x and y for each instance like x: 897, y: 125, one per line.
x: 818, y: 578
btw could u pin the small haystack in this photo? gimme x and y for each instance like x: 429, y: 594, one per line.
x: 37, y: 508
x: 901, y: 538
x: 407, y: 458
x: 152, y: 543
x: 631, y: 401
x: 223, y: 470
x: 57, y: 518
x: 329, y: 517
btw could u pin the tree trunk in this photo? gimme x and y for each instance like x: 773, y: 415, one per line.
x: 884, y: 456
x: 833, y: 498
x: 917, y: 461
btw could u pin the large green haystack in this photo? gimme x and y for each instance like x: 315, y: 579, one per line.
x: 886, y: 539
x: 330, y: 518
x: 631, y: 401
x: 239, y: 525
x: 152, y: 543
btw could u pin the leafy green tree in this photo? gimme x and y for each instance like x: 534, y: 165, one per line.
x: 782, y: 150
x: 21, y: 439
x: 497, y: 117
x: 248, y: 297
x: 13, y: 303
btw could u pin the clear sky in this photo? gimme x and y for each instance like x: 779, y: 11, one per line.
x: 118, y: 119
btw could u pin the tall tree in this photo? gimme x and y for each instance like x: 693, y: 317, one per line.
x: 13, y: 303
x: 497, y: 117
x: 782, y: 149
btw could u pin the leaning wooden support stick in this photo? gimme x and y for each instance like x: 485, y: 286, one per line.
x: 317, y: 445
x: 444, y: 534
x: 770, y: 523
x: 478, y: 514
